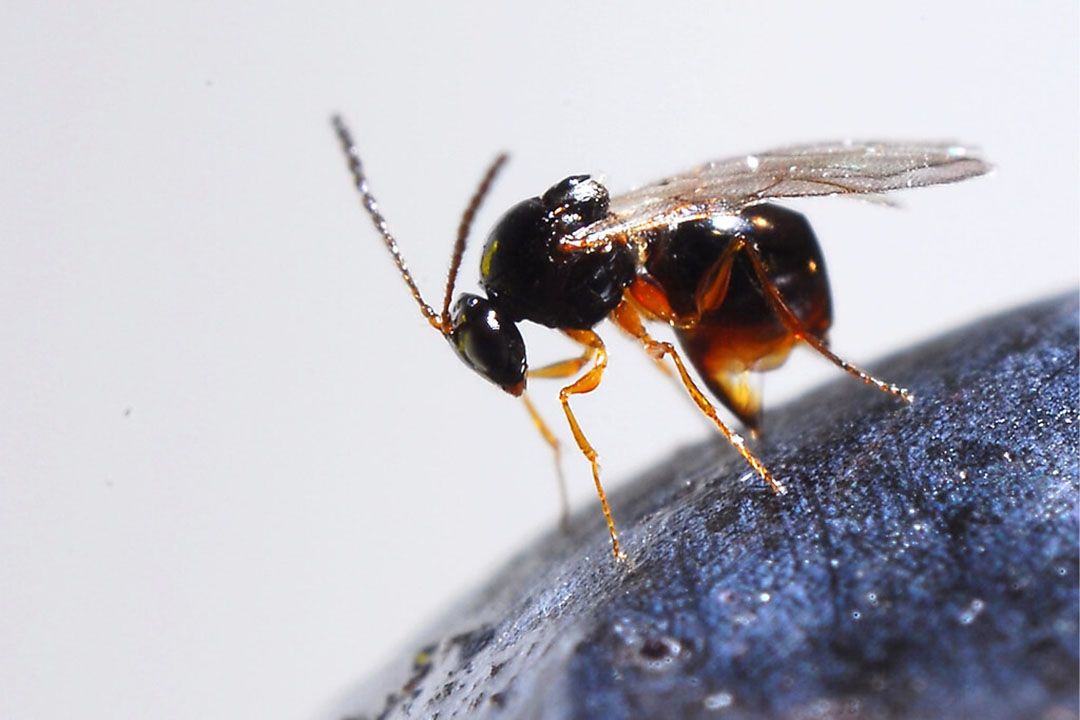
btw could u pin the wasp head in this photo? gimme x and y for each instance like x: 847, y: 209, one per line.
x: 488, y: 343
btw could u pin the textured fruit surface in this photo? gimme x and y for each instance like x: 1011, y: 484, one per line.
x: 922, y: 565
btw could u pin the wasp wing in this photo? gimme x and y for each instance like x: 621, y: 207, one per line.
x: 838, y: 168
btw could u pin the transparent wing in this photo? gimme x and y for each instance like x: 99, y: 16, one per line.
x: 839, y: 168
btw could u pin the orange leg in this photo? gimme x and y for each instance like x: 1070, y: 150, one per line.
x: 563, y: 368
x: 595, y: 352
x: 795, y: 326
x: 629, y: 320
x: 597, y: 355
x: 556, y: 449
x: 659, y: 362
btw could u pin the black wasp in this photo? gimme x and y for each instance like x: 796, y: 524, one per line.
x: 740, y: 280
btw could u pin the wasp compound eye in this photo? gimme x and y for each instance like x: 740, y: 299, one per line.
x: 488, y: 344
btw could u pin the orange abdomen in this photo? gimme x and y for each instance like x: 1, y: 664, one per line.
x: 697, y: 279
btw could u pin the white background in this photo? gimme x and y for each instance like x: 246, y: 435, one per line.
x: 237, y: 470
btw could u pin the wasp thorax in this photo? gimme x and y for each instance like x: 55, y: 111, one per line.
x: 576, y: 202
x: 528, y: 276
x: 488, y: 343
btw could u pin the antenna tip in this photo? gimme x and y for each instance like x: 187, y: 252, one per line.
x: 338, y: 123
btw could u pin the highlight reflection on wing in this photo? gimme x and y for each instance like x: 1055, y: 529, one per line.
x: 839, y: 168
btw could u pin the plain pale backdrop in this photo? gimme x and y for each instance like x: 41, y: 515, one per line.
x: 237, y: 470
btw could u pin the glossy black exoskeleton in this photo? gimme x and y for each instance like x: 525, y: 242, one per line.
x: 528, y: 276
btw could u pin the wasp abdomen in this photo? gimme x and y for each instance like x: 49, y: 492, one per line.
x: 718, y: 305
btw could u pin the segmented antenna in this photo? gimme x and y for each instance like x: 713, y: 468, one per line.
x: 439, y: 321
x: 463, y: 230
x: 356, y: 167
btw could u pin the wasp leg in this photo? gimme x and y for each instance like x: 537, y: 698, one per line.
x: 658, y: 362
x: 556, y: 449
x: 629, y: 320
x: 563, y: 368
x: 795, y: 326
x: 597, y: 354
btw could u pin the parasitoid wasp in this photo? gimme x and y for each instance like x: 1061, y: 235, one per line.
x: 739, y: 279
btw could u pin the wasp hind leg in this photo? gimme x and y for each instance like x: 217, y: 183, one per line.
x: 772, y: 294
x: 626, y: 317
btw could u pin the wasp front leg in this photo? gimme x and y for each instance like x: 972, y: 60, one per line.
x: 596, y: 353
x: 556, y: 449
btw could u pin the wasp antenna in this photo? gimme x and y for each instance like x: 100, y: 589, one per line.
x: 463, y: 230
x: 356, y: 167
